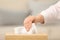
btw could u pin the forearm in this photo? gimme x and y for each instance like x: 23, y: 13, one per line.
x: 50, y: 14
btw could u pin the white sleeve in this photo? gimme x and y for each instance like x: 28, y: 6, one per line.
x: 51, y: 13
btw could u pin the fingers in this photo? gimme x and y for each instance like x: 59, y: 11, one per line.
x: 28, y: 22
x: 28, y: 26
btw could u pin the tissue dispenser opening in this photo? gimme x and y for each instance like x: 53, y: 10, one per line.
x: 26, y: 37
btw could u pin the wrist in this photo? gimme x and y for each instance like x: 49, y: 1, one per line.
x: 40, y: 18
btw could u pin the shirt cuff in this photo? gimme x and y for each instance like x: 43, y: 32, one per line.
x: 45, y: 15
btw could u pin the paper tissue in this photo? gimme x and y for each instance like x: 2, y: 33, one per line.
x: 22, y: 30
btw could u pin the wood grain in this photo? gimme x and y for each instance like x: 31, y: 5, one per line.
x: 26, y: 37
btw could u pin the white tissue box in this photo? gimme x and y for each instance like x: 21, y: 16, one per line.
x: 26, y: 37
x: 21, y: 34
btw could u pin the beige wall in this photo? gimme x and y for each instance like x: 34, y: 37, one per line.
x: 19, y: 4
x: 13, y: 4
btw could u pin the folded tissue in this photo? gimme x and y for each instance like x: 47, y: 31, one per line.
x: 22, y: 30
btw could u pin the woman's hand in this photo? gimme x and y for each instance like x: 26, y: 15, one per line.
x: 32, y: 19
x: 28, y: 22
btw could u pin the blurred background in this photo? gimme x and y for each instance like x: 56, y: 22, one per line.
x: 13, y: 13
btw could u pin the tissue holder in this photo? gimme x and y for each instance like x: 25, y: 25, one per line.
x: 26, y: 37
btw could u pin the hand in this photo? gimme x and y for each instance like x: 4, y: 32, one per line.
x: 28, y: 22
x: 33, y: 19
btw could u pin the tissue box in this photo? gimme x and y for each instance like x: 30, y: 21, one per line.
x: 26, y: 37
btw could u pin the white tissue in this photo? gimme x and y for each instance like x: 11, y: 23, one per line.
x: 22, y: 30
x: 34, y: 29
